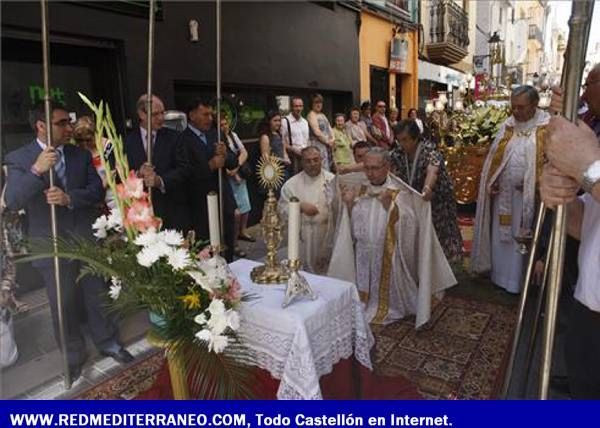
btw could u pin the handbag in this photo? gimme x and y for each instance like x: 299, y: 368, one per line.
x: 245, y: 171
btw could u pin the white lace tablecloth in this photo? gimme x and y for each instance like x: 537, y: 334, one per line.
x: 303, y: 342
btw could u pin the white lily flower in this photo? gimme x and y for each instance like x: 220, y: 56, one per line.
x: 217, y: 322
x: 115, y: 221
x: 200, y: 279
x: 219, y: 343
x: 233, y: 320
x: 217, y: 307
x: 200, y: 319
x: 179, y: 258
x: 115, y: 288
x: 216, y: 342
x: 100, y: 226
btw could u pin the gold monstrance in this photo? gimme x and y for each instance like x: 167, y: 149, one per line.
x: 270, y: 172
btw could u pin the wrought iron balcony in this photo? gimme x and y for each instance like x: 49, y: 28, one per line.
x: 448, y: 33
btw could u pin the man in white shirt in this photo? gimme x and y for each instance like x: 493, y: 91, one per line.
x: 294, y: 131
x: 574, y: 155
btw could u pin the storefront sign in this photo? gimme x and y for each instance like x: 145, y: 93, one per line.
x: 36, y: 94
x: 398, y: 56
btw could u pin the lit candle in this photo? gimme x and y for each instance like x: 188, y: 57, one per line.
x: 293, y: 229
x: 213, y: 219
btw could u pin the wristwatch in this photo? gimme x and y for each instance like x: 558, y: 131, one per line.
x: 591, y: 177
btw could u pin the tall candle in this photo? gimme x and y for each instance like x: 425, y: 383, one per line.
x: 213, y: 219
x: 293, y: 229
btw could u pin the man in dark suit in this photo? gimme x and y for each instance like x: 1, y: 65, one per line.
x: 168, y: 173
x: 207, y: 157
x: 76, y: 194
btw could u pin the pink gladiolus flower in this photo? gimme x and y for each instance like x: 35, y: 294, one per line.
x: 132, y: 188
x: 139, y: 215
x: 234, y: 293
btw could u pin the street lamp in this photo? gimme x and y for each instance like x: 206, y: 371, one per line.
x: 496, y: 53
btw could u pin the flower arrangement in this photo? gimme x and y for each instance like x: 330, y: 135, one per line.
x: 191, y: 291
x: 478, y: 126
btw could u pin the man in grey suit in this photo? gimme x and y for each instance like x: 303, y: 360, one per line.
x: 76, y: 194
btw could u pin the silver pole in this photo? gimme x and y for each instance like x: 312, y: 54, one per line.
x: 218, y: 82
x: 579, y: 31
x: 149, y: 86
x: 59, y: 300
x: 523, y: 299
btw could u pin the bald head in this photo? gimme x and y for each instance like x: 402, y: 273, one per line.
x: 377, y: 163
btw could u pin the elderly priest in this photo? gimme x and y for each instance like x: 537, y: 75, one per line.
x: 386, y: 244
x: 313, y: 186
x: 506, y: 199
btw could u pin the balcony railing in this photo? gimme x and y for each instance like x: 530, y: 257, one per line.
x: 535, y: 33
x: 448, y: 33
x: 397, y: 8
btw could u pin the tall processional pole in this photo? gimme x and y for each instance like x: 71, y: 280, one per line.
x: 53, y: 223
x: 579, y: 31
x: 218, y: 106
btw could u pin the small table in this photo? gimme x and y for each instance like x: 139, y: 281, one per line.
x: 302, y: 342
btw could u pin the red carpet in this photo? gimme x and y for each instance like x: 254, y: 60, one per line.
x: 349, y: 380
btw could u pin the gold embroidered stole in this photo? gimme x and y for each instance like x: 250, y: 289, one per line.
x: 499, y: 155
x: 385, y: 278
x: 540, y: 141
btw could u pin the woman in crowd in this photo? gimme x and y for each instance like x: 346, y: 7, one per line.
x: 421, y: 166
x: 342, y: 149
x: 237, y: 180
x: 356, y: 130
x: 271, y: 142
x: 412, y: 115
x: 84, y: 135
x: 393, y: 116
x: 321, y: 134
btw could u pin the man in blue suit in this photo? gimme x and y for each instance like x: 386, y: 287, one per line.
x: 206, y: 156
x: 77, y: 194
x: 168, y: 173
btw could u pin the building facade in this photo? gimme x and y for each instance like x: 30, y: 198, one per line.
x: 385, y: 25
x: 270, y: 51
x: 447, y: 33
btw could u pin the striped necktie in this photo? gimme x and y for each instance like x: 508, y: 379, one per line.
x: 60, y: 168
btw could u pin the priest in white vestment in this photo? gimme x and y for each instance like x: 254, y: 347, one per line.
x: 313, y: 186
x: 386, y: 244
x: 506, y: 199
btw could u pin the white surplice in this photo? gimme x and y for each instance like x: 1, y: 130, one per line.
x: 500, y: 218
x: 401, y: 280
x: 316, y: 232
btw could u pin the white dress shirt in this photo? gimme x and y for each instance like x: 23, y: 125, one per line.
x: 299, y: 128
x: 588, y: 285
x: 144, y: 132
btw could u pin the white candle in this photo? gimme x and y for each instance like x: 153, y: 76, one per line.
x: 213, y: 219
x: 294, y: 229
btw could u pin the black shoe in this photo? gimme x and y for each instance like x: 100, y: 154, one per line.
x: 121, y: 356
x: 560, y: 384
x: 245, y: 237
